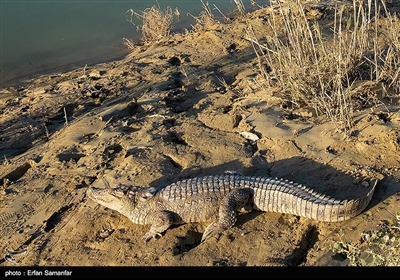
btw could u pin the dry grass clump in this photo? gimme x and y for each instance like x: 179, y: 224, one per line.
x: 319, y: 69
x: 387, y: 58
x: 205, y: 20
x: 379, y: 247
x: 156, y: 23
x: 310, y: 68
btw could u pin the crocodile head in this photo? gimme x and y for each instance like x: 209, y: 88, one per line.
x: 121, y: 198
x: 113, y: 198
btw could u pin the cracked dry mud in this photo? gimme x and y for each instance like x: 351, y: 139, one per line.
x: 160, y: 115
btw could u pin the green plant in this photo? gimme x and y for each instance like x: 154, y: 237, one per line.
x: 376, y: 248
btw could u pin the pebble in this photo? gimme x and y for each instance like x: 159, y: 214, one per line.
x: 365, y: 184
x: 249, y: 136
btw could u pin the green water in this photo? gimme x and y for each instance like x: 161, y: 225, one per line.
x: 40, y: 37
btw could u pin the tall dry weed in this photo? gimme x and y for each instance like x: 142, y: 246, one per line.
x: 240, y: 7
x: 156, y: 23
x: 312, y: 68
x: 205, y: 20
x: 387, y: 50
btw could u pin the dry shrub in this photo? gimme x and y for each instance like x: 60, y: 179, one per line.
x: 311, y: 69
x: 156, y: 23
x: 320, y: 69
x: 205, y: 20
x: 387, y: 51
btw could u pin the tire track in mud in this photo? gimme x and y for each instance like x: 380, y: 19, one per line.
x: 33, y: 204
x: 43, y: 233
x: 27, y: 210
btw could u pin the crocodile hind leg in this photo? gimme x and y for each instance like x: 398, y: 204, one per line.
x: 227, y: 214
x: 160, y: 222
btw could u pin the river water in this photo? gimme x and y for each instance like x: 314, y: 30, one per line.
x: 40, y: 37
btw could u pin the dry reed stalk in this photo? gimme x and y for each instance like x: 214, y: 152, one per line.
x: 311, y: 68
x: 387, y: 51
x: 240, y: 6
x: 205, y: 20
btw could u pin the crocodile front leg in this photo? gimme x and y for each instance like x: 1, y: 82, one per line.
x: 227, y: 214
x: 160, y: 222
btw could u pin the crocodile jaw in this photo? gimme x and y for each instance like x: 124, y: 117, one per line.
x: 106, y: 197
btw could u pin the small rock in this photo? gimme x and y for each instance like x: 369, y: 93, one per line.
x: 365, y: 184
x: 249, y: 136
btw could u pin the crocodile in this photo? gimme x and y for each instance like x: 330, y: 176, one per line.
x: 217, y: 199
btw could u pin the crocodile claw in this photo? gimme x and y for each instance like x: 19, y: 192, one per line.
x: 149, y: 235
x: 213, y: 229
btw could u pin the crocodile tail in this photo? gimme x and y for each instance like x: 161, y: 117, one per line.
x: 340, y: 210
x: 286, y: 197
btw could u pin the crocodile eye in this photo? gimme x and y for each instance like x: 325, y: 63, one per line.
x: 147, y: 193
x: 131, y: 195
x: 118, y: 192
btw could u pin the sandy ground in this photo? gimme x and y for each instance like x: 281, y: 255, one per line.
x: 170, y: 111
